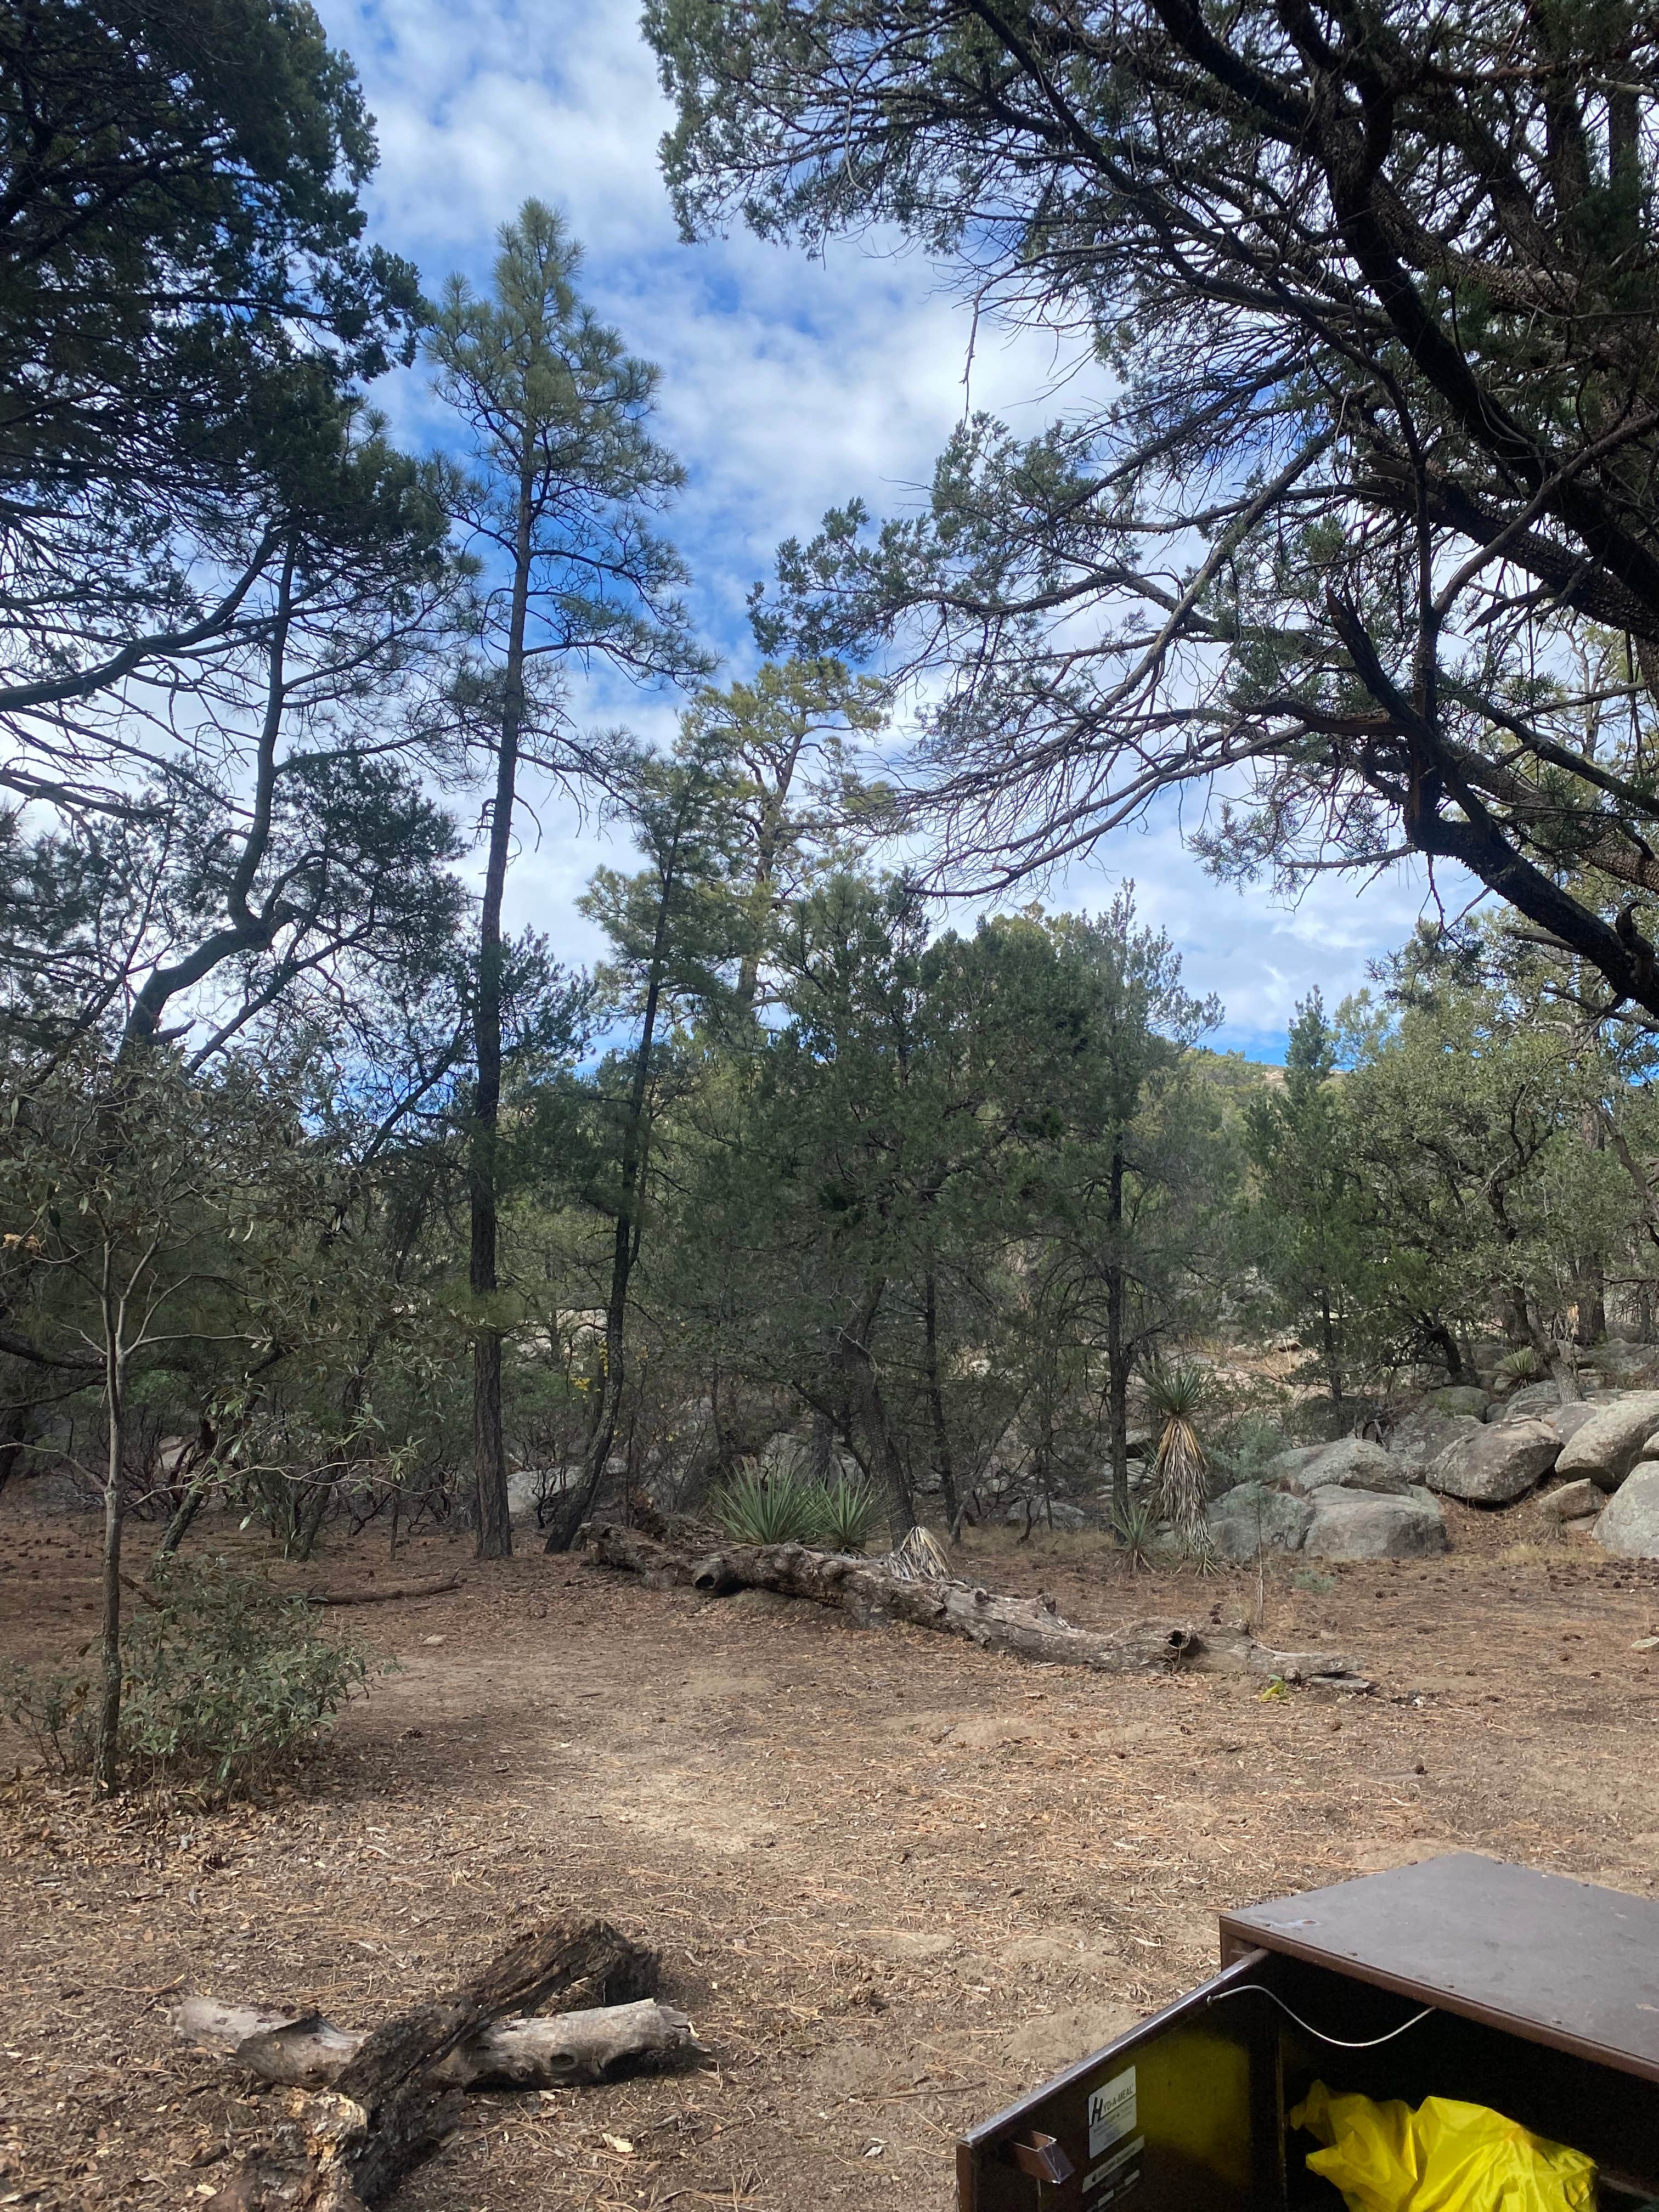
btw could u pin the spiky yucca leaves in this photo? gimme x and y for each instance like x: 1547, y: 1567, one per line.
x: 1136, y: 1531
x: 848, y: 1511
x: 1175, y: 1395
x: 1520, y: 1365
x: 756, y: 1507
x: 783, y: 1504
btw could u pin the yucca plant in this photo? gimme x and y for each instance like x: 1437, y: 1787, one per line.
x: 778, y: 1507
x: 1136, y: 1531
x: 1175, y: 1395
x: 1523, y: 1364
x: 847, y: 1512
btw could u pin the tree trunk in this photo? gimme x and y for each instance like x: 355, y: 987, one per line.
x: 1117, y: 1361
x: 14, y: 1439
x: 1435, y: 1333
x: 865, y: 1388
x: 492, y: 1511
x: 626, y: 1244
x: 1327, y: 1339
x: 106, y: 1753
x: 942, y: 1460
x: 1592, y: 1323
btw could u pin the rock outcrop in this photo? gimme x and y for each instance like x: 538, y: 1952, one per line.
x: 1255, y: 1517
x: 1417, y: 1442
x: 1350, y: 1463
x: 1501, y: 1461
x: 1356, y: 1524
x: 1608, y: 1444
x: 1574, y: 1501
x: 1628, y: 1525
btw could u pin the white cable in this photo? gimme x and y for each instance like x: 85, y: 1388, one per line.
x: 1336, y: 2042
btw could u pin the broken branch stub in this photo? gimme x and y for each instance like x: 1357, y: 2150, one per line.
x: 1027, y: 1628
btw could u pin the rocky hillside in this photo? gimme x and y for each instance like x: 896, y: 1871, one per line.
x: 1596, y: 1462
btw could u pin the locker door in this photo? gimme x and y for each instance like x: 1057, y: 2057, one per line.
x: 1181, y: 2115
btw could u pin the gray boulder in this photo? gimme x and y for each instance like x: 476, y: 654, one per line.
x: 1358, y: 1524
x: 1044, y: 1513
x: 1629, y: 1366
x: 1628, y: 1525
x: 1287, y: 1465
x: 1500, y: 1461
x: 1415, y: 1443
x: 1459, y: 1398
x: 1350, y: 1463
x: 1536, y: 1402
x: 1574, y: 1501
x: 1567, y: 1420
x: 1255, y: 1518
x: 1607, y: 1445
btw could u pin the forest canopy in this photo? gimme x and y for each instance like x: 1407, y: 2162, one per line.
x: 328, y: 1197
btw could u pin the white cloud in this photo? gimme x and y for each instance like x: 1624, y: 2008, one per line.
x: 788, y: 384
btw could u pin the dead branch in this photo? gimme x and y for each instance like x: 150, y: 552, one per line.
x: 303, y: 2051
x: 387, y: 2108
x: 869, y: 1593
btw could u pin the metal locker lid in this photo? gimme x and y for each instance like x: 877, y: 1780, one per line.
x: 1558, y: 1962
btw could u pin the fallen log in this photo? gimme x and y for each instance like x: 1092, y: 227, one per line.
x: 303, y: 2051
x: 363, y: 1595
x: 387, y: 2108
x: 871, y: 1593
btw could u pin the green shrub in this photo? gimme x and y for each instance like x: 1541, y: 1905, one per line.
x: 783, y: 1504
x: 781, y: 1507
x: 1135, y: 1530
x: 226, y: 1683
x: 1523, y: 1364
x: 848, y: 1514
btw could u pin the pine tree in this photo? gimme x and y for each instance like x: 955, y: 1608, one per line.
x: 567, y: 478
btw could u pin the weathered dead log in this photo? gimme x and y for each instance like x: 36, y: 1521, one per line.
x: 303, y: 2051
x: 388, y: 2107
x: 364, y: 1595
x: 1029, y: 1628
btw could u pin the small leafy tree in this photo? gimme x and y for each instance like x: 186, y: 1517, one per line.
x: 133, y: 1193
x: 1307, y: 1210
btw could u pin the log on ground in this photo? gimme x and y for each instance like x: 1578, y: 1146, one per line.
x: 386, y: 2110
x: 871, y: 1593
x: 303, y: 2051
x: 363, y: 1595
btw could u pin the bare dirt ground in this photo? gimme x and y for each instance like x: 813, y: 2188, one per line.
x: 894, y: 1880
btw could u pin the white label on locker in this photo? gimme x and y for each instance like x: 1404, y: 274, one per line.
x: 1117, y: 2175
x: 1112, y: 2112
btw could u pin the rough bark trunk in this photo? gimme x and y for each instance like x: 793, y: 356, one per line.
x: 493, y: 1513
x: 303, y: 2051
x: 14, y: 1438
x: 1327, y: 1339
x: 105, y: 1767
x: 626, y: 1244
x: 385, y: 2110
x: 871, y: 1593
x: 1117, y: 1363
x: 943, y: 1463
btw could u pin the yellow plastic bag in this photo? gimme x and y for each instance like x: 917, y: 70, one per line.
x: 1443, y: 2157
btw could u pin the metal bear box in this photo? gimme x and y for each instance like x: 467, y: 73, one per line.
x: 1461, y: 1977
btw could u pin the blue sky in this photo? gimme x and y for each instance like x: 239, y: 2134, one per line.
x: 788, y: 384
